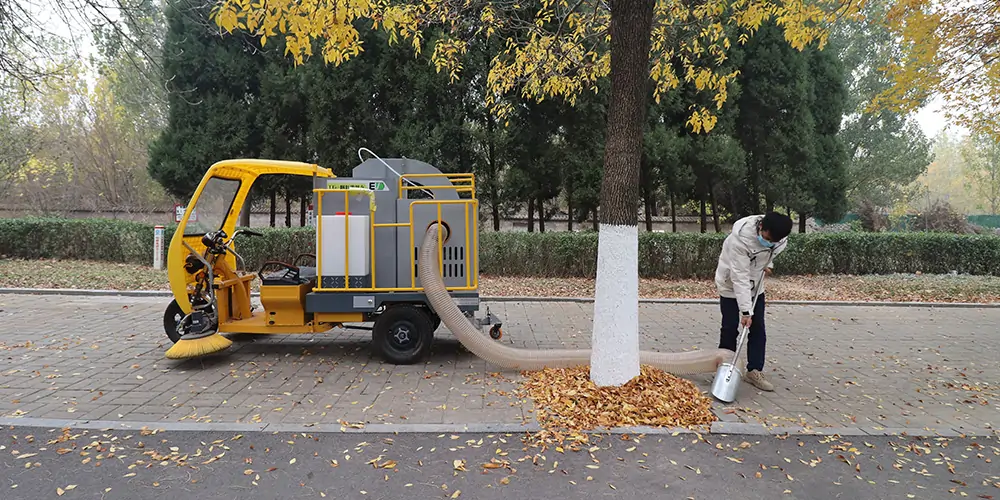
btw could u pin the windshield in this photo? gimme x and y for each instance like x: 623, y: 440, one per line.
x: 212, y: 207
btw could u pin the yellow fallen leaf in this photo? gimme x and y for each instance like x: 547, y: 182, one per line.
x: 505, y: 480
x: 59, y: 491
x: 71, y: 487
x: 456, y: 493
x: 292, y: 461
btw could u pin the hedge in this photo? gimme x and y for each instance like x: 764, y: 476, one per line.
x: 554, y: 254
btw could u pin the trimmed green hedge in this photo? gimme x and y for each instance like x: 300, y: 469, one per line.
x: 557, y: 254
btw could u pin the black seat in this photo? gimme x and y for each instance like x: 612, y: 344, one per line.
x: 286, y: 274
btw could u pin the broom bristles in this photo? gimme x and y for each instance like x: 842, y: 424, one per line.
x: 192, y: 348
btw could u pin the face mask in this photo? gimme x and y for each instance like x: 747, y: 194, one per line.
x: 768, y: 244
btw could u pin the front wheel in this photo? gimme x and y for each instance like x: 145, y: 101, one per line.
x: 171, y: 318
x: 403, y: 334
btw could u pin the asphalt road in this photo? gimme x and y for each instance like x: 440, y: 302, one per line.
x: 40, y: 463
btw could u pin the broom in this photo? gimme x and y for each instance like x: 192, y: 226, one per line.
x: 198, y: 344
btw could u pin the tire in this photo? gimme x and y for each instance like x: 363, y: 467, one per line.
x: 435, y: 319
x: 171, y: 317
x: 403, y: 334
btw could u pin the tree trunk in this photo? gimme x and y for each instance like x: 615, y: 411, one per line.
x: 802, y: 223
x: 649, y: 215
x: 673, y: 212
x: 494, y: 171
x: 288, y: 210
x: 531, y: 215
x: 541, y: 215
x: 594, y: 220
x: 615, y: 340
x: 274, y: 201
x: 715, y: 212
x: 704, y: 223
x: 569, y: 209
x: 302, y: 211
x: 770, y: 205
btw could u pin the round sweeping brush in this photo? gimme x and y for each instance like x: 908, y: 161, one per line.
x: 198, y: 345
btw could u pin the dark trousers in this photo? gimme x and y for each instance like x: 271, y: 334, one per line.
x: 731, y: 329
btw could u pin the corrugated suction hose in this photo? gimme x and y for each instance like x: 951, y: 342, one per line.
x: 678, y: 363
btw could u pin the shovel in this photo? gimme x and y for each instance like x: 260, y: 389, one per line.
x: 728, y: 377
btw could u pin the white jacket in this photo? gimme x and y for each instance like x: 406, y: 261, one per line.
x: 742, y: 262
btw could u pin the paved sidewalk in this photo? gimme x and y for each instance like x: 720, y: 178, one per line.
x: 870, y: 368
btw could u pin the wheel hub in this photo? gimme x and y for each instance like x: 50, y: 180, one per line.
x: 401, y: 335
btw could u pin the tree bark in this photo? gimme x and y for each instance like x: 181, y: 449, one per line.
x: 492, y: 159
x: 615, y: 339
x: 274, y: 201
x: 594, y: 220
x: 802, y: 223
x: 569, y: 208
x: 531, y: 215
x: 715, y: 211
x: 649, y: 215
x: 541, y: 215
x: 673, y: 212
x: 302, y: 211
x: 288, y: 210
x: 704, y: 223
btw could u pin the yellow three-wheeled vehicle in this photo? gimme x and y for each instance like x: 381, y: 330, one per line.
x: 365, y: 258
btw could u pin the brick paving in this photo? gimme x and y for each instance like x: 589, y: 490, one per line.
x: 101, y: 358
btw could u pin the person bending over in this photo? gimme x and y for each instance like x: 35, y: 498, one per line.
x: 747, y: 253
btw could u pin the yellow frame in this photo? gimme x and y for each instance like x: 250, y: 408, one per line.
x: 246, y: 171
x: 471, y: 234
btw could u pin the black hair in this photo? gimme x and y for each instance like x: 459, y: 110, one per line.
x: 777, y: 225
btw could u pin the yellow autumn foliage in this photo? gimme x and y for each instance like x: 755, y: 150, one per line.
x: 951, y: 48
x: 558, y: 50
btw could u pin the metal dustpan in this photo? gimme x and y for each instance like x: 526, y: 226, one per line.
x: 728, y: 376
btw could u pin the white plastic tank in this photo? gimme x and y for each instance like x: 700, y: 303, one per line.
x: 345, y: 233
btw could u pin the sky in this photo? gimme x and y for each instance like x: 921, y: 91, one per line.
x: 932, y: 120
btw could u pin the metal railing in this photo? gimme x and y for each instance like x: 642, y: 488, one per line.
x: 471, y: 270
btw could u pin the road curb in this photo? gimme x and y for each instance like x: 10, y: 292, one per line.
x: 484, y: 298
x: 717, y: 428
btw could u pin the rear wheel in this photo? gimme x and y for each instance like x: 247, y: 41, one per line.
x: 435, y: 319
x: 403, y: 334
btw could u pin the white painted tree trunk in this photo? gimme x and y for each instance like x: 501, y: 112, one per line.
x: 614, y: 358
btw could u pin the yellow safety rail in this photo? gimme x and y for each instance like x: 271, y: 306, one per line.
x: 347, y: 230
x: 471, y: 236
x: 469, y: 285
x: 461, y: 183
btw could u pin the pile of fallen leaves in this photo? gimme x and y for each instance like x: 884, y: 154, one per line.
x: 567, y: 402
